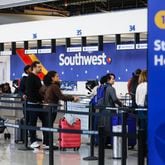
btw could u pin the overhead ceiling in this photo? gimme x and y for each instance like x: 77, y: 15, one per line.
x: 13, y: 11
x: 15, y: 3
x: 67, y: 7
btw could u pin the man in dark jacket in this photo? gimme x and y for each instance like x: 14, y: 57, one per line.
x: 110, y: 94
x: 22, y: 87
x: 34, y: 100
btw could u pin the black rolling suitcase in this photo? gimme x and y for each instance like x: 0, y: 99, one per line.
x: 19, y: 133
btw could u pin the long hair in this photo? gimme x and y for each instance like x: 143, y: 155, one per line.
x: 143, y: 76
x: 48, y: 78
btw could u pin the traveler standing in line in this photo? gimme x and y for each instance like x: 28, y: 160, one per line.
x: 110, y: 99
x: 141, y: 90
x: 6, y: 88
x: 34, y: 100
x: 51, y: 93
x: 141, y: 98
x: 133, y: 86
x: 22, y: 86
x: 141, y: 101
x: 110, y: 94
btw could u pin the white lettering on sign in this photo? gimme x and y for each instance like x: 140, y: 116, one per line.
x: 159, y: 45
x: 79, y: 59
x: 159, y: 60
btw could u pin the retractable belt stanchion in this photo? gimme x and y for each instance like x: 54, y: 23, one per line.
x: 141, y: 141
x: 140, y: 147
x: 25, y: 135
x: 91, y: 121
x: 124, y: 138
x: 51, y: 150
x: 25, y: 123
x: 101, y: 146
x: 119, y: 133
x: 65, y: 106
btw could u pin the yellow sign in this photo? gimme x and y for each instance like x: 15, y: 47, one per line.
x: 160, y: 19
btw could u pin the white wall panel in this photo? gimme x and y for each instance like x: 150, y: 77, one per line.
x: 131, y: 21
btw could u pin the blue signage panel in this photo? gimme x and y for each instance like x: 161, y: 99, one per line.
x: 156, y: 85
x: 82, y: 66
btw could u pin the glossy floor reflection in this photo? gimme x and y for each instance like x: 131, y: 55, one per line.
x: 11, y: 155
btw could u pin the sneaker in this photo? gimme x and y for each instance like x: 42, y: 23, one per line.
x: 44, y: 146
x: 35, y: 145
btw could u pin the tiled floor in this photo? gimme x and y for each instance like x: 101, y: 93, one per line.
x: 11, y: 155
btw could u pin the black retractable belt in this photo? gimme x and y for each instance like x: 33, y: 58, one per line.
x: 91, y: 125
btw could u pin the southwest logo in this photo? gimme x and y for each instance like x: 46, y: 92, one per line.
x: 79, y: 59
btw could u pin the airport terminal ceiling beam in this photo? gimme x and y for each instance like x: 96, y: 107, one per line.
x: 15, y: 3
x: 130, y: 21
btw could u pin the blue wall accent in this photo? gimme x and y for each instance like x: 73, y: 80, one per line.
x: 156, y: 82
x: 120, y: 62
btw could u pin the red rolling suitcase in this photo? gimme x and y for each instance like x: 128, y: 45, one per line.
x: 69, y: 140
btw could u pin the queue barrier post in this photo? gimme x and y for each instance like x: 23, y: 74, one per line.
x: 124, y: 138
x: 91, y: 122
x: 140, y: 146
x: 25, y: 131
x: 101, y: 151
x: 51, y: 150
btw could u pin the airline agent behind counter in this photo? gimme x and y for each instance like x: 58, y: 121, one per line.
x: 51, y: 91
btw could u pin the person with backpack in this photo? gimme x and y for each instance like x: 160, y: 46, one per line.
x: 99, y: 95
x: 109, y: 98
x: 110, y: 94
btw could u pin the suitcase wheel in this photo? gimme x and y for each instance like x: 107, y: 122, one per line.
x: 7, y: 136
x: 16, y: 141
x: 131, y: 147
x: 76, y: 149
x: 62, y: 149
